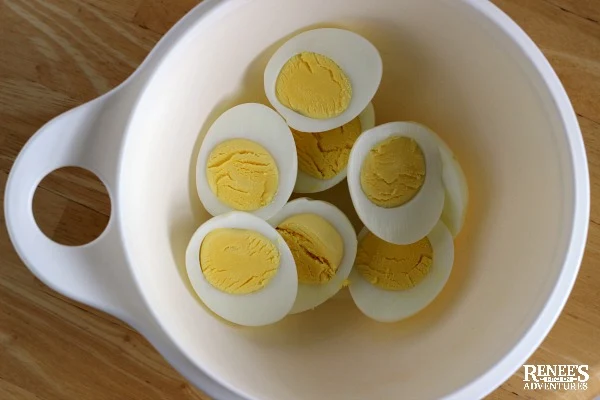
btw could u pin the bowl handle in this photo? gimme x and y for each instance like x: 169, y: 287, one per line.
x: 93, y: 273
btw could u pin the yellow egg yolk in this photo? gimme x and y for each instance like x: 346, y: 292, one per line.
x: 391, y: 266
x: 323, y: 155
x: 317, y: 247
x: 313, y: 85
x: 242, y: 174
x: 238, y: 261
x: 393, y: 172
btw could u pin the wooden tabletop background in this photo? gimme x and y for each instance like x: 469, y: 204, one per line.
x: 56, y: 54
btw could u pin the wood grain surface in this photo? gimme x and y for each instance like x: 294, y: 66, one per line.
x: 56, y: 54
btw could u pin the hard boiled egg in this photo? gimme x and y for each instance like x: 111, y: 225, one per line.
x: 325, y: 153
x: 456, y: 189
x: 323, y: 78
x: 379, y: 287
x: 323, y: 243
x: 242, y: 269
x: 247, y: 162
x: 395, y: 181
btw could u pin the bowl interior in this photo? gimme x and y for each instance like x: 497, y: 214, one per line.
x: 445, y: 65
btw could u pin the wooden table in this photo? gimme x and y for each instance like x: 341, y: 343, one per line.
x: 56, y: 54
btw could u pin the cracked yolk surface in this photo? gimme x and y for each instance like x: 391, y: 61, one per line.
x: 323, y: 155
x: 238, y: 261
x: 313, y: 85
x: 391, y: 266
x: 393, y: 172
x: 242, y: 174
x: 317, y: 247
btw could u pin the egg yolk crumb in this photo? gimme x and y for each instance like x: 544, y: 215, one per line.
x: 317, y: 247
x: 391, y: 266
x: 323, y: 155
x: 313, y: 85
x: 238, y: 261
x: 393, y: 172
x: 242, y: 174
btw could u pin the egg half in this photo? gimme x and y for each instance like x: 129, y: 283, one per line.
x: 306, y: 183
x: 455, y: 187
x: 311, y: 295
x: 414, y: 219
x: 266, y: 304
x: 352, y: 56
x: 258, y: 160
x: 393, y: 305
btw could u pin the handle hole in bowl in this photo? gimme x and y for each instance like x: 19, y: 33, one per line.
x: 71, y: 206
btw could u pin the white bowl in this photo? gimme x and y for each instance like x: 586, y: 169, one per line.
x: 461, y: 67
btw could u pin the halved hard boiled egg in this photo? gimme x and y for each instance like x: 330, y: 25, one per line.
x: 247, y: 162
x: 242, y: 269
x: 395, y: 181
x: 323, y: 243
x: 391, y: 282
x: 323, y: 78
x: 456, y: 189
x: 323, y: 156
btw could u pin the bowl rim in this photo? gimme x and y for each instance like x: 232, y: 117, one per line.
x: 497, y: 374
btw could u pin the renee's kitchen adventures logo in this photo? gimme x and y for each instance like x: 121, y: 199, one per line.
x: 556, y: 377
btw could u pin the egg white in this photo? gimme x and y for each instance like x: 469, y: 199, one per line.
x: 413, y: 220
x: 456, y: 189
x: 262, y: 125
x: 309, y: 184
x: 389, y: 305
x: 310, y: 296
x: 262, y: 307
x: 355, y: 55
